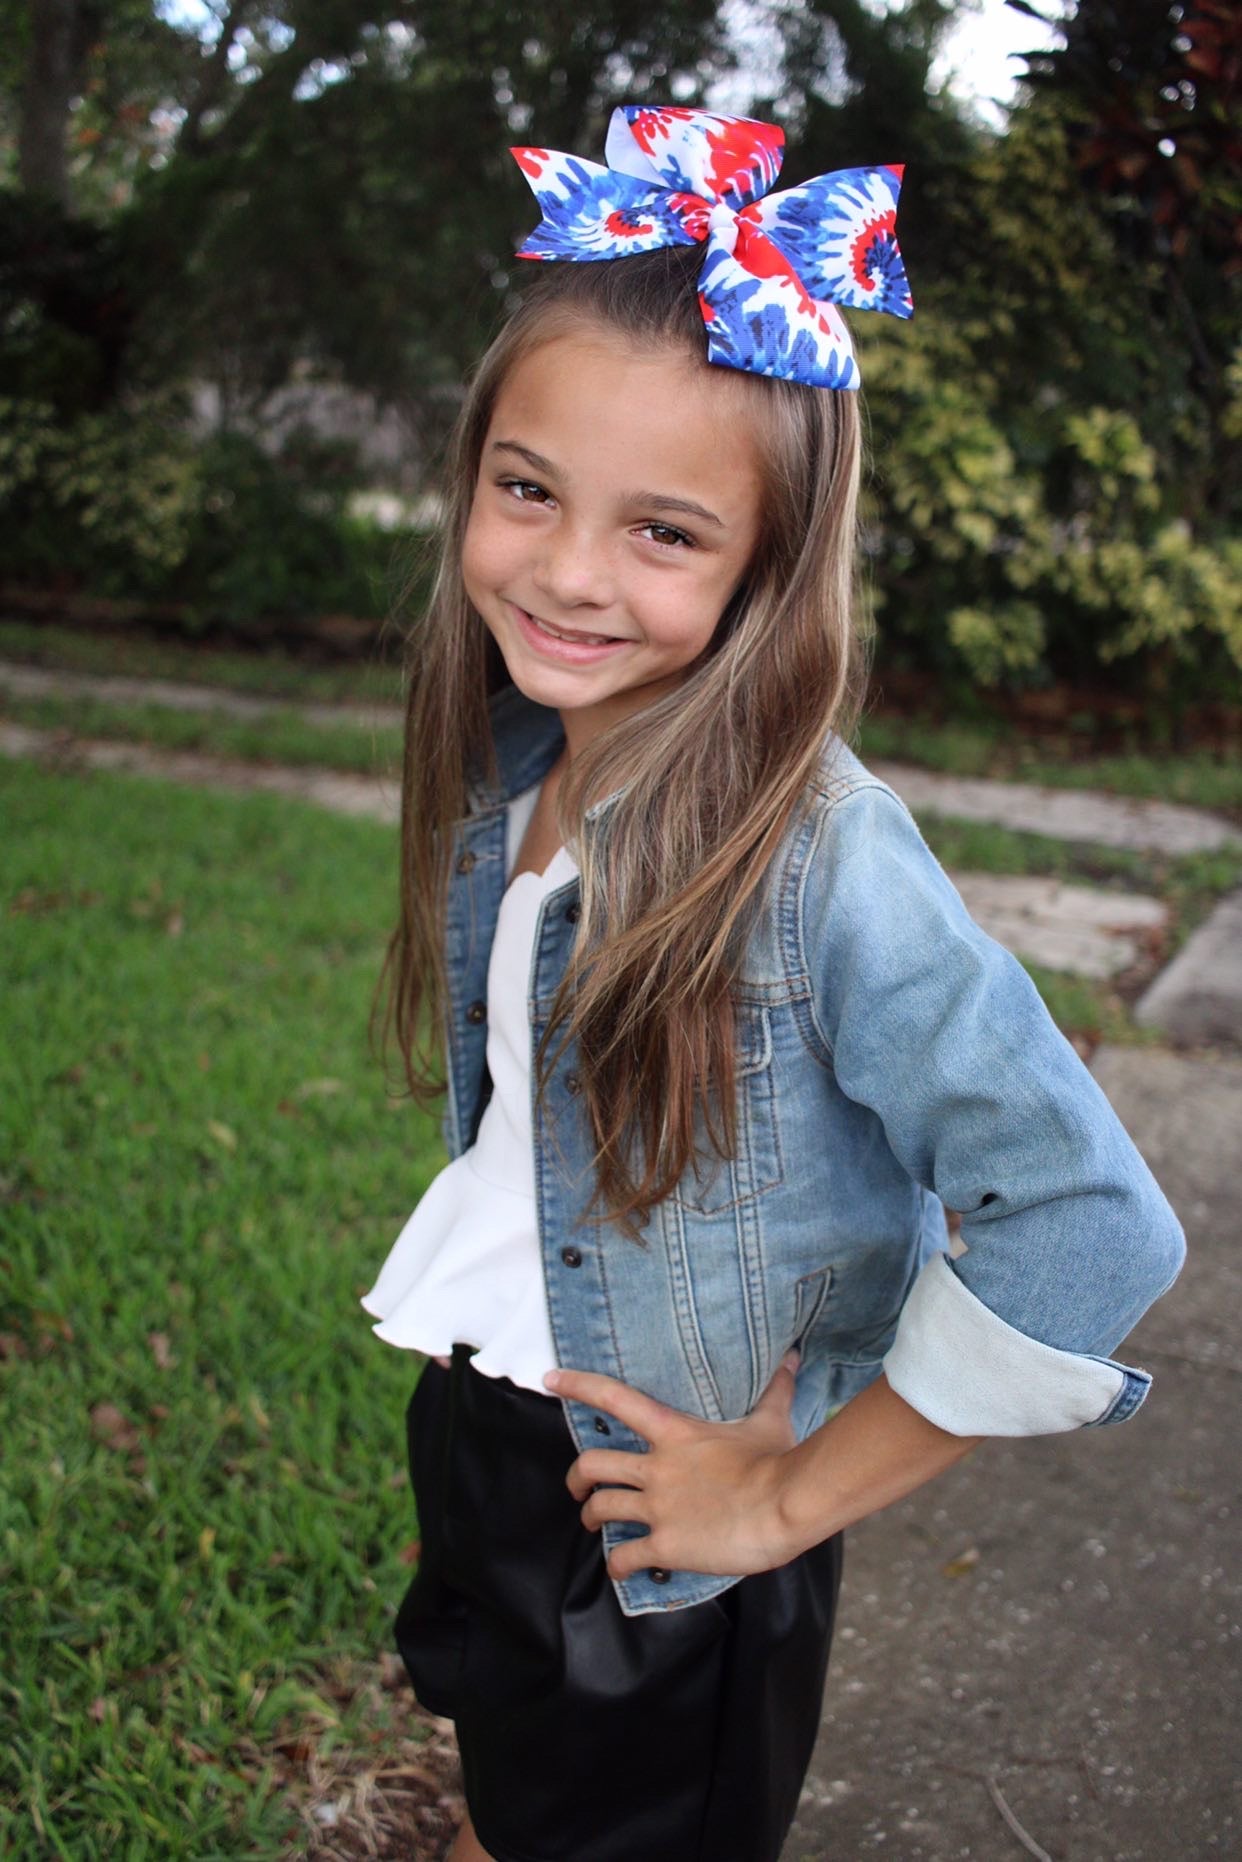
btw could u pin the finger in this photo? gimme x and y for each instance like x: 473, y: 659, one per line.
x: 638, y: 1411
x: 614, y: 1503
x: 780, y: 1391
x: 631, y: 1556
x: 604, y: 1464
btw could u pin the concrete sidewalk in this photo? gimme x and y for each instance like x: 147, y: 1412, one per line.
x: 1053, y: 1630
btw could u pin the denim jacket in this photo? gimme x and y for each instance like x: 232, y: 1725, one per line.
x: 892, y: 1059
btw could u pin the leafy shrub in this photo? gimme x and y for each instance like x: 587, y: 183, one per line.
x: 127, y: 504
x: 106, y: 500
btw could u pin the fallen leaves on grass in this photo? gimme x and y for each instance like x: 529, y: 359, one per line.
x: 51, y: 1327
x: 392, y: 1790
x: 161, y: 1351
x: 113, y: 1429
x: 30, y: 902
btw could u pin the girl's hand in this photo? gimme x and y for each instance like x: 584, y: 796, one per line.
x: 708, y: 1491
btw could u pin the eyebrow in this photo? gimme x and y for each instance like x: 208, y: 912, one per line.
x: 650, y: 500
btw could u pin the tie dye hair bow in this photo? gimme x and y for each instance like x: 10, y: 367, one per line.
x: 776, y: 265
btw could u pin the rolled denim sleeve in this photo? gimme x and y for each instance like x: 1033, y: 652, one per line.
x: 941, y: 1032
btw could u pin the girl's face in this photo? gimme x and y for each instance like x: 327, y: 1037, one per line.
x: 616, y: 510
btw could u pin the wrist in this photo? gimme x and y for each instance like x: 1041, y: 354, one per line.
x: 799, y: 1521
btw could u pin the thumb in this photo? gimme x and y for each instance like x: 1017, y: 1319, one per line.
x: 780, y: 1391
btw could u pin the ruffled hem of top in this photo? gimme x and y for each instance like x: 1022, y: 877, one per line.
x: 431, y: 1294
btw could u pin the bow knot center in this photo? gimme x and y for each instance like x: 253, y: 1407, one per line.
x: 722, y: 225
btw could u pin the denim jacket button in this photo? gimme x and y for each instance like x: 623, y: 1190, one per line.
x: 572, y: 1083
x: 659, y: 1576
x: 571, y: 1257
x: 467, y: 862
x: 573, y: 913
x: 476, y: 1013
x: 601, y: 1427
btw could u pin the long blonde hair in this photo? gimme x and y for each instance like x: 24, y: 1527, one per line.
x: 711, y: 774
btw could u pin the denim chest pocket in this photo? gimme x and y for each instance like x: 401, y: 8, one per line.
x: 724, y: 1183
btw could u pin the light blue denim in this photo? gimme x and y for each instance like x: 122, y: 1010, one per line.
x: 892, y: 1059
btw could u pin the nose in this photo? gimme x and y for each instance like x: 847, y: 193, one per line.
x: 571, y: 568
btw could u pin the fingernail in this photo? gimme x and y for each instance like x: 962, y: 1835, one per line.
x: 792, y: 1360
x: 551, y: 1379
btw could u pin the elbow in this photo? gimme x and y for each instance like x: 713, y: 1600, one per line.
x: 1163, y: 1253
x: 1174, y: 1251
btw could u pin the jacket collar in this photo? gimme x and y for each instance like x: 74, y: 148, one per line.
x: 528, y: 738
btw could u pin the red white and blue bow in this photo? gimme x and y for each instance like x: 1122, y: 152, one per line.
x: 776, y: 266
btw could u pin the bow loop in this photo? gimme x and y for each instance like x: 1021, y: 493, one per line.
x: 591, y: 212
x: 733, y: 159
x: 840, y: 234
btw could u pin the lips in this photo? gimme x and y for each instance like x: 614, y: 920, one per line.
x: 571, y: 634
x: 562, y: 646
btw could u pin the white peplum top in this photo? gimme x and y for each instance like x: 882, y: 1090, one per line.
x: 467, y: 1265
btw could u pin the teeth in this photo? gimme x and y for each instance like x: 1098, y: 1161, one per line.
x: 558, y: 634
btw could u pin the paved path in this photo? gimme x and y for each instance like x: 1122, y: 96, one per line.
x: 51, y: 682
x: 1063, y: 1616
x: 344, y: 794
x: 1087, y: 930
x: 1066, y: 814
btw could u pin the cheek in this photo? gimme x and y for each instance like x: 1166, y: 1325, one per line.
x: 483, y: 552
x: 472, y: 552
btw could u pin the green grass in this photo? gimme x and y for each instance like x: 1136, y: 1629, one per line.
x: 200, y: 1169
x: 1198, y: 779
x: 278, y: 736
x: 138, y: 656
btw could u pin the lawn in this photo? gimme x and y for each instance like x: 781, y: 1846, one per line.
x: 202, y: 1515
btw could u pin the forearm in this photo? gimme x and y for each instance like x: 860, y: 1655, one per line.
x: 875, y: 1450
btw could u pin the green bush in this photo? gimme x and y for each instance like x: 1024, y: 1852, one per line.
x: 106, y: 500
x: 128, y: 504
x: 1012, y: 553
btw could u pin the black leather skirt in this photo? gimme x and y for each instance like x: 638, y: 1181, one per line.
x: 587, y: 1735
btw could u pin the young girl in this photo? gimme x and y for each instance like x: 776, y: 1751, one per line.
x: 721, y: 1040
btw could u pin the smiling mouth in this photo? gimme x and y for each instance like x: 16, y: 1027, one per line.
x: 564, y: 633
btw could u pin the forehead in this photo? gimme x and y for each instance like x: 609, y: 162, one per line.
x: 602, y: 409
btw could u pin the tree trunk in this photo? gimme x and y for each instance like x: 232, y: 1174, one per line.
x: 55, y: 53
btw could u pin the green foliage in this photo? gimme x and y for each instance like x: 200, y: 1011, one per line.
x: 274, y: 538
x: 1046, y: 500
x: 114, y: 497
x: 127, y: 504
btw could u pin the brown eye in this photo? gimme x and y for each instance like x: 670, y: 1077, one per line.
x: 668, y: 537
x: 523, y: 485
